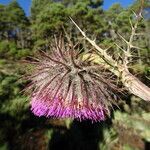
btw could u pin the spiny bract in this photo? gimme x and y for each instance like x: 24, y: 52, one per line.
x: 64, y: 85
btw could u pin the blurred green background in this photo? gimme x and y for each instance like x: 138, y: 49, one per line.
x: 128, y: 128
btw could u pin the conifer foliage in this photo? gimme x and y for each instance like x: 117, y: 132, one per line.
x: 68, y: 78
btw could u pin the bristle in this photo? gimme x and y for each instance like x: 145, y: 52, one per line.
x: 66, y: 86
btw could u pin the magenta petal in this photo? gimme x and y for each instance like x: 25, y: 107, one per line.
x: 55, y: 108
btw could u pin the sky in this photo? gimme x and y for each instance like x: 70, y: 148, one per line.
x: 25, y: 4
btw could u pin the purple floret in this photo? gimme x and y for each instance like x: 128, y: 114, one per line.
x: 57, y: 109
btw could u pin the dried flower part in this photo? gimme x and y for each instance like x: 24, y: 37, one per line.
x: 64, y: 85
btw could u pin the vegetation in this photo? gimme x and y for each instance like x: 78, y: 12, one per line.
x: 128, y: 128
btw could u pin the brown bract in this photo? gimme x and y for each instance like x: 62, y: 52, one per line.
x: 63, y: 75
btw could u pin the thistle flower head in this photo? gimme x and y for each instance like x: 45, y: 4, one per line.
x: 64, y: 85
